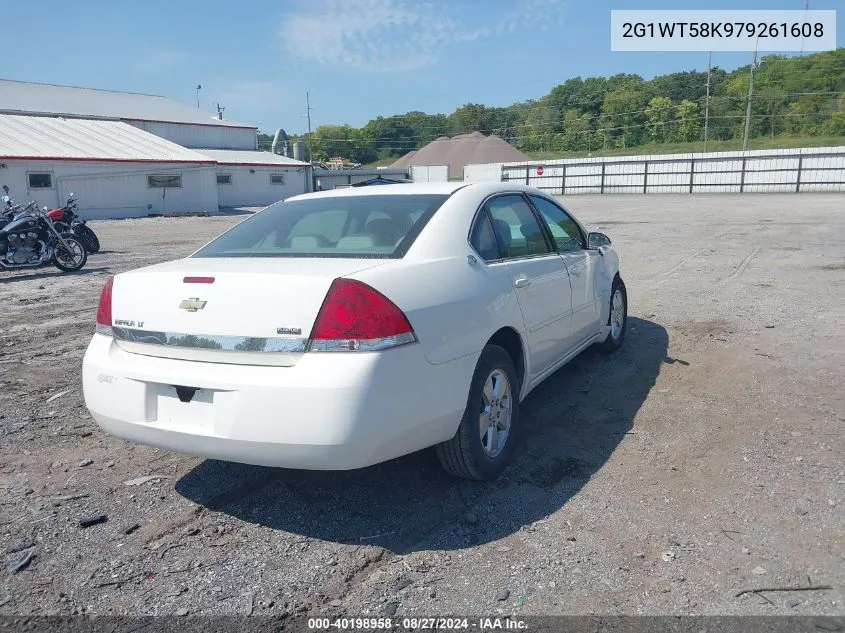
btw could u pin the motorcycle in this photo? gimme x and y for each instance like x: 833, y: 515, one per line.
x: 67, y: 219
x: 30, y: 240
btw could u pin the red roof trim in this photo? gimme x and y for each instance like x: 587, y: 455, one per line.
x: 109, y: 160
x: 236, y: 127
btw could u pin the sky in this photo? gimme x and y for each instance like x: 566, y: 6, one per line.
x: 357, y: 59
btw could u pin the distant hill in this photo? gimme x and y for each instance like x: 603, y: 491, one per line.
x: 793, y: 97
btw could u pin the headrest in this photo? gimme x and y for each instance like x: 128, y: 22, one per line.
x: 386, y: 230
x: 356, y: 242
x: 503, y: 232
x: 305, y: 242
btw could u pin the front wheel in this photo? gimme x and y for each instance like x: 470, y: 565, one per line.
x: 71, y: 257
x: 87, y: 237
x: 618, y: 317
x: 486, y: 437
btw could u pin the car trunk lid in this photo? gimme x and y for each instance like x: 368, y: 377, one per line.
x: 254, y: 311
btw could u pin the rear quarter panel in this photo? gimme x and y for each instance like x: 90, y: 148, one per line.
x: 453, y: 306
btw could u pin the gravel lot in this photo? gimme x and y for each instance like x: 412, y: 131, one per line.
x: 703, y: 459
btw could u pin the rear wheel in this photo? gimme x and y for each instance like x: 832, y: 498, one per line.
x: 71, y: 256
x: 618, y: 317
x: 485, y: 439
x: 87, y: 237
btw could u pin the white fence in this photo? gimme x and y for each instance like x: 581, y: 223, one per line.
x: 786, y: 170
x: 430, y: 173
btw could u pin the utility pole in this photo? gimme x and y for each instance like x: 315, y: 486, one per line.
x: 806, y: 9
x: 308, y: 115
x: 750, y: 96
x: 707, y: 102
x: 199, y: 87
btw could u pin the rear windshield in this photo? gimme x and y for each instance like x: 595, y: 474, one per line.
x: 347, y: 226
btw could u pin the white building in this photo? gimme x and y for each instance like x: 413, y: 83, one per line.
x: 129, y: 155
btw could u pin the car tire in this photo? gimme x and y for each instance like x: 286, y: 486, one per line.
x: 617, y: 317
x: 480, y: 450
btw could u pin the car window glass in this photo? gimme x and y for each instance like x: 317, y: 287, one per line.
x: 483, y: 240
x: 516, y: 227
x: 332, y: 226
x: 562, y: 227
x: 325, y: 224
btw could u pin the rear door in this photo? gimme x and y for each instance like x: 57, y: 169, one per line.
x: 581, y: 264
x: 539, y: 277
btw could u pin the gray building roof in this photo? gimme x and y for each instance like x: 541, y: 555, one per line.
x: 53, y: 138
x: 22, y: 97
x: 247, y: 158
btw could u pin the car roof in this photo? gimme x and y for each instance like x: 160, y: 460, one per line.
x: 417, y: 188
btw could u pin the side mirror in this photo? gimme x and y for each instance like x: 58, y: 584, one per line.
x: 6, y: 188
x: 596, y: 240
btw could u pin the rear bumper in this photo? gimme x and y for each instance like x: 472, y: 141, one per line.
x: 330, y: 411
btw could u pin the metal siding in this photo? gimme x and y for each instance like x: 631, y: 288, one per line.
x: 250, y: 189
x: 202, y: 136
x: 110, y: 190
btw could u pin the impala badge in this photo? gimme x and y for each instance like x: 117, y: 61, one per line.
x: 192, y: 305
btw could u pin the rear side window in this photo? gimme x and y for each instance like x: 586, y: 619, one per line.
x: 345, y: 226
x: 483, y: 240
x: 517, y: 230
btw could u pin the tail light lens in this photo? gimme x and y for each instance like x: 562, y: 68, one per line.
x: 355, y: 317
x: 104, y: 309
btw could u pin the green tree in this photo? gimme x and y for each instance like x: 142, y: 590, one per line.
x: 659, y: 115
x: 623, y: 120
x: 689, y: 120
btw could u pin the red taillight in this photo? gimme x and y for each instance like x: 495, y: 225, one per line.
x: 198, y: 280
x: 356, y: 317
x: 104, y: 309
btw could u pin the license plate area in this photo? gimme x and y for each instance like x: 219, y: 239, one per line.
x: 183, y: 410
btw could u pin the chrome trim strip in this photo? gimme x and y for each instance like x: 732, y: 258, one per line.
x: 242, y: 344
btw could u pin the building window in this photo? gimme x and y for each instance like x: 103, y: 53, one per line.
x: 169, y: 180
x: 224, y: 179
x: 277, y: 179
x: 40, y: 180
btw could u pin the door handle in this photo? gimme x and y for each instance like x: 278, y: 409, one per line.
x: 522, y: 282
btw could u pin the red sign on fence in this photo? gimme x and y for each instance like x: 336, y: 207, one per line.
x: 540, y: 170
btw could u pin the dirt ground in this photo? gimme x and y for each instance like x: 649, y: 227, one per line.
x: 703, y: 459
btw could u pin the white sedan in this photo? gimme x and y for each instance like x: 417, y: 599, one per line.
x: 340, y: 329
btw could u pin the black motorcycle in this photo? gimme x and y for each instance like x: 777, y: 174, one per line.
x: 66, y: 219
x: 30, y: 240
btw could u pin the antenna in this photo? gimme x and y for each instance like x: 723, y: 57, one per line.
x: 220, y: 111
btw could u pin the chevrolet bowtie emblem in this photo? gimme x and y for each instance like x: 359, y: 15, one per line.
x: 192, y: 305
